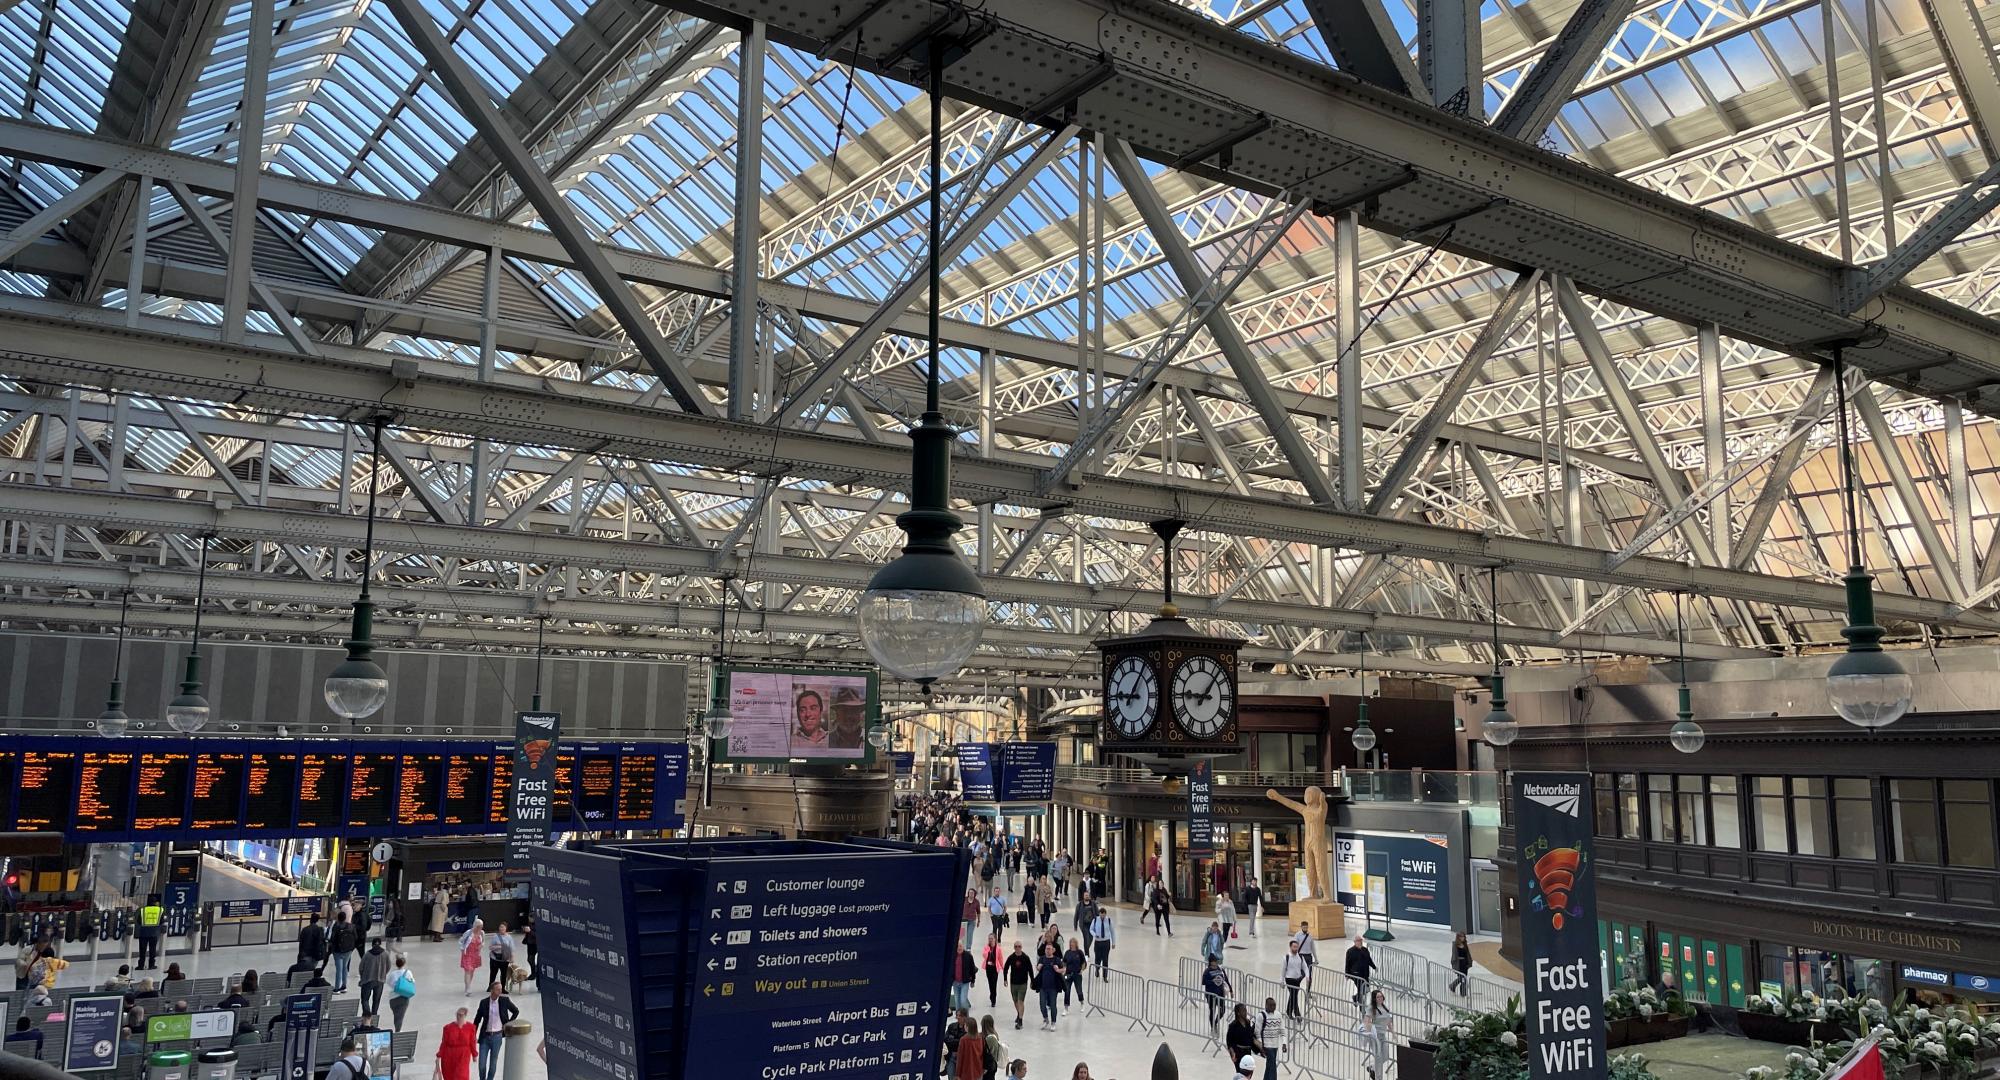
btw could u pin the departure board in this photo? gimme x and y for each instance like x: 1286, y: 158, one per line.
x: 467, y: 779
x: 154, y: 788
x: 596, y: 789
x: 371, y: 791
x: 215, y: 800
x: 417, y: 802
x: 636, y: 776
x: 272, y: 785
x: 104, y: 792
x: 561, y: 809
x: 160, y: 800
x: 503, y: 784
x: 322, y: 793
x: 48, y: 790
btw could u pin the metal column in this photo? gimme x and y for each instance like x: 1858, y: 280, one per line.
x: 743, y: 355
x: 249, y: 163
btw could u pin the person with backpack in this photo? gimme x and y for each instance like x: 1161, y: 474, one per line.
x: 995, y: 1052
x: 402, y: 988
x: 500, y: 955
x: 340, y: 942
x: 374, y: 976
x: 312, y: 942
x: 350, y: 1064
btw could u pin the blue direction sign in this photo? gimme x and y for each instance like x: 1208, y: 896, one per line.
x: 300, y: 905
x: 180, y: 899
x: 1027, y: 771
x: 242, y: 909
x: 586, y: 935
x: 822, y: 964
x: 978, y: 780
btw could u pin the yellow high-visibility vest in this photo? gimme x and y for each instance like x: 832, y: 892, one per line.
x: 150, y: 915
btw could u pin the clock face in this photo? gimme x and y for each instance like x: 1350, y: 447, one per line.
x: 1132, y: 696
x: 1204, y: 696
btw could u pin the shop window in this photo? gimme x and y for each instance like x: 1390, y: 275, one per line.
x: 1605, y: 797
x: 1628, y: 806
x: 1691, y: 800
x: 1812, y: 827
x: 1853, y: 818
x: 1968, y: 823
x: 1724, y: 811
x: 1660, y: 806
x: 1767, y: 809
x: 1913, y: 820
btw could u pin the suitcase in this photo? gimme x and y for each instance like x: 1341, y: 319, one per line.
x: 1024, y: 917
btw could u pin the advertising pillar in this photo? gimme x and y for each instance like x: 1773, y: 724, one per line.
x: 1564, y: 986
x: 532, y: 802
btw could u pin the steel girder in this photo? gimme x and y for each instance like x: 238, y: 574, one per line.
x: 447, y: 397
x: 1332, y: 137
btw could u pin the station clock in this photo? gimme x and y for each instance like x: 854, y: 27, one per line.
x: 1169, y: 689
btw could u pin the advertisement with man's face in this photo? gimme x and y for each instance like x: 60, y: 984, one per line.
x: 811, y: 715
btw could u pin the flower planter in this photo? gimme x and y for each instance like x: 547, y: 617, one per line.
x: 1767, y: 1028
x: 1617, y: 1033
x: 1416, y: 1060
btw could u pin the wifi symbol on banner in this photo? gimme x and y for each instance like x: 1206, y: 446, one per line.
x: 1555, y: 877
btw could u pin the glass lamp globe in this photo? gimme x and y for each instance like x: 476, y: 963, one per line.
x: 356, y: 688
x: 921, y: 634
x: 1687, y: 736
x: 719, y: 720
x: 879, y: 738
x: 113, y: 723
x: 187, y: 713
x: 1500, y: 728
x: 1868, y: 689
x: 1364, y: 738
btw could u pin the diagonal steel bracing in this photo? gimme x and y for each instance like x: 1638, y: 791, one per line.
x: 1547, y: 86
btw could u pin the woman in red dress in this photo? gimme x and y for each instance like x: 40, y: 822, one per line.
x: 455, y: 1053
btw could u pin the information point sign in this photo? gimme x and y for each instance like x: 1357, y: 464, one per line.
x: 1565, y: 994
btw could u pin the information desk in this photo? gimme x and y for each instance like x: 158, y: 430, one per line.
x: 170, y: 788
x: 750, y: 958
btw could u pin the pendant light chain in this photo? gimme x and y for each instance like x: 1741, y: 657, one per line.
x: 200, y: 588
x: 1849, y: 500
x: 374, y: 491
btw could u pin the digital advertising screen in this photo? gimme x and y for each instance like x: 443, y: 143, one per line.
x: 799, y: 714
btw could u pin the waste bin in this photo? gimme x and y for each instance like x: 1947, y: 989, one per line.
x: 216, y: 1064
x: 168, y: 1065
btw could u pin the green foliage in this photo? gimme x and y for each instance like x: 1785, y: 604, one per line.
x: 1493, y: 1045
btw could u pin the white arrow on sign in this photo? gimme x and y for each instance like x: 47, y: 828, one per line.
x: 711, y: 963
x: 715, y: 939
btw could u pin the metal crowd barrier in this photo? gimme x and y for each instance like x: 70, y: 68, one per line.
x: 1439, y: 981
x: 1122, y: 995
x: 1184, y: 1010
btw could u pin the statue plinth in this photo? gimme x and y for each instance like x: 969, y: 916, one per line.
x: 1325, y: 920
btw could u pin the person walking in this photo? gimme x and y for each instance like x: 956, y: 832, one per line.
x: 968, y: 1052
x: 456, y: 1046
x: 1074, y: 963
x: 1019, y: 971
x: 350, y: 1063
x: 1225, y: 913
x: 1360, y: 965
x: 500, y: 958
x: 340, y: 943
x: 489, y: 1023
x: 1294, y: 973
x: 964, y: 970
x: 1253, y: 902
x: 402, y: 988
x: 1461, y: 966
x: 150, y: 917
x: 996, y: 910
x: 1146, y: 905
x: 993, y: 1051
x: 1215, y: 985
x: 1308, y: 948
x: 472, y: 951
x: 1086, y: 913
x: 1162, y: 911
x: 533, y: 949
x: 1048, y: 895
x: 992, y: 965
x: 1049, y: 982
x: 969, y: 918
x: 1377, y: 1024
x: 1270, y: 1036
x: 1211, y: 943
x: 1103, y: 935
x: 374, y: 977
x: 1240, y: 1040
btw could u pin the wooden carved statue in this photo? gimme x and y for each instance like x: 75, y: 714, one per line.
x: 1318, y: 849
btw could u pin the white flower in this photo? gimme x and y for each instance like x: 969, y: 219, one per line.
x: 1794, y: 1058
x: 1508, y: 1038
x: 1646, y: 1011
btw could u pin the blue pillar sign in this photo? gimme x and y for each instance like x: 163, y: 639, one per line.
x: 589, y: 992
x: 90, y: 1044
x: 180, y: 900
x: 301, y: 1036
x: 821, y: 966
x: 1201, y: 806
x: 1564, y: 997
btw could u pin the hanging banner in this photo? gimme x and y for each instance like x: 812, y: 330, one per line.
x: 301, y: 1035
x: 532, y: 802
x: 1564, y: 987
x: 1201, y: 802
x: 978, y: 779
